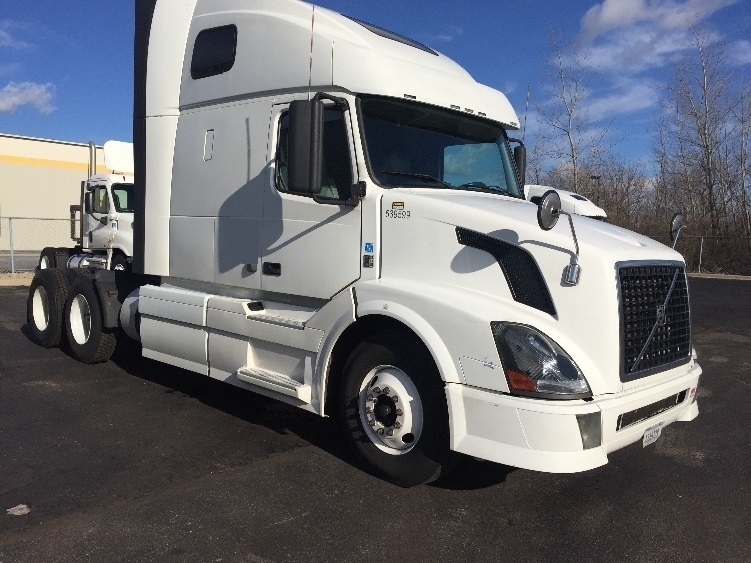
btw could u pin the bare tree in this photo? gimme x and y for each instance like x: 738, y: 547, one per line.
x: 743, y: 159
x: 569, y: 140
x: 702, y: 108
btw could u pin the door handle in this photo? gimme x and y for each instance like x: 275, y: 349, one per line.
x: 272, y: 269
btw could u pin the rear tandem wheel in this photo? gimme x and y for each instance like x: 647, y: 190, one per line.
x: 89, y: 341
x: 44, y: 306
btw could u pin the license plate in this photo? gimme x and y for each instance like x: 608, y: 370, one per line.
x: 651, y: 434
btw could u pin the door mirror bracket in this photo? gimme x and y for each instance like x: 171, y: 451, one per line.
x: 356, y: 193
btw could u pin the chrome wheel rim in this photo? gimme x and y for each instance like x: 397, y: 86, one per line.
x: 80, y: 319
x: 390, y: 410
x: 40, y: 308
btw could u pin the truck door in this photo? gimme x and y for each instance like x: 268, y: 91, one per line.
x: 98, y: 220
x: 311, y: 249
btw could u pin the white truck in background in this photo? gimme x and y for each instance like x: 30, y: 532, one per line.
x: 102, y: 223
x: 570, y: 202
x: 333, y: 216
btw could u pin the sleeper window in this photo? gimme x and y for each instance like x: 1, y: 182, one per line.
x: 214, y: 51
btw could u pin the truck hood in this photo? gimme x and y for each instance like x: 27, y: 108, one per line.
x: 586, y: 322
x: 515, y: 220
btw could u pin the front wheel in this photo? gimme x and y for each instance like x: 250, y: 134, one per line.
x: 49, y: 258
x: 393, y: 407
x: 89, y: 342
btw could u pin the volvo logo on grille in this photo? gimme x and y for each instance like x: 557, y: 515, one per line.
x: 661, y: 315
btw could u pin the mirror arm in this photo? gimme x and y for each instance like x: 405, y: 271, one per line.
x: 356, y: 193
x: 341, y: 102
x: 573, y: 232
x: 677, y: 236
x: 572, y: 272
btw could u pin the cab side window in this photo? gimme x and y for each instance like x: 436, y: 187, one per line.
x: 101, y: 203
x: 337, y: 165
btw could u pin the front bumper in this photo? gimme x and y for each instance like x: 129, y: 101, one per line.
x: 545, y: 436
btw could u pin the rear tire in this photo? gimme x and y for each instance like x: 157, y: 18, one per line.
x: 89, y: 342
x: 47, y: 258
x: 51, y: 257
x: 45, y: 305
x: 393, y: 408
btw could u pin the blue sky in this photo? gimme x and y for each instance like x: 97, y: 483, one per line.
x: 67, y: 73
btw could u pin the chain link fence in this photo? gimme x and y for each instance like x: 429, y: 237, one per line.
x: 23, y: 238
x: 715, y: 254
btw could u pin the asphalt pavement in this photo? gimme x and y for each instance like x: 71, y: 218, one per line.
x: 133, y: 460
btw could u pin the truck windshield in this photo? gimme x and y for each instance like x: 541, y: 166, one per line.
x: 410, y: 144
x: 122, y: 196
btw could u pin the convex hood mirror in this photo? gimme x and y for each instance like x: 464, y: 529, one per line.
x: 548, y: 210
x: 677, y: 224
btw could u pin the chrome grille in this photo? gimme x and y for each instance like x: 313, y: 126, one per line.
x: 655, y: 320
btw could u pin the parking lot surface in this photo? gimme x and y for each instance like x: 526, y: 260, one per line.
x: 133, y: 460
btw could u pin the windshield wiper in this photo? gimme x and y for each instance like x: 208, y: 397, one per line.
x: 427, y: 178
x: 483, y: 187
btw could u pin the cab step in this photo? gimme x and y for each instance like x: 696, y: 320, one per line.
x: 275, y: 382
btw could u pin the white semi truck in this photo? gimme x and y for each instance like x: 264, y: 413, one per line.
x: 102, y: 223
x: 571, y: 202
x: 332, y: 215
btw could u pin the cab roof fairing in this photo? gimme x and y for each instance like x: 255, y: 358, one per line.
x: 367, y: 63
x: 341, y: 54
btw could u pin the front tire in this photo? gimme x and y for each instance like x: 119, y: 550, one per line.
x: 45, y: 305
x: 89, y: 342
x: 49, y: 257
x: 393, y: 408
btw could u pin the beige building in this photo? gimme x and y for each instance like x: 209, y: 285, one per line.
x: 39, y: 180
x: 42, y: 177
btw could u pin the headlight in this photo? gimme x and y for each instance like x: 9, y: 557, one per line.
x: 535, y: 365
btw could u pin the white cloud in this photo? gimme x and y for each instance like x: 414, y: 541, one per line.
x: 16, y: 95
x: 509, y: 87
x: 740, y: 52
x: 8, y: 69
x: 640, y: 48
x: 663, y: 14
x: 7, y: 39
x: 449, y: 34
x: 626, y: 98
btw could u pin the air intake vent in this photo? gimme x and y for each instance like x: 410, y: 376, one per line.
x: 655, y: 319
x: 519, y: 267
